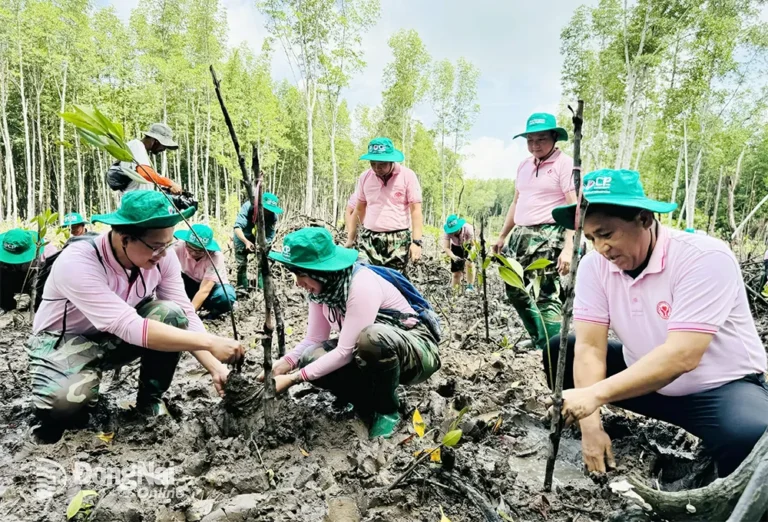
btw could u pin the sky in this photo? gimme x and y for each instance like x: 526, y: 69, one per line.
x: 514, y: 43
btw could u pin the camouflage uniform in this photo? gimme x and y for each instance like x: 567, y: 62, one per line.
x: 526, y: 245
x: 386, y: 355
x: 66, y: 369
x: 389, y: 249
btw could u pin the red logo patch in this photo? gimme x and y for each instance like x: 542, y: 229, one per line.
x: 663, y: 309
x: 399, y: 195
x: 550, y: 171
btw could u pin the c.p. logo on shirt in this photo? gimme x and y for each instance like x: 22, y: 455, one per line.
x: 664, y: 310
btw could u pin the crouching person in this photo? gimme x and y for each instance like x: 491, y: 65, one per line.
x: 382, y: 341
x: 111, y: 299
x: 18, y: 249
x: 199, y: 274
x: 689, y: 353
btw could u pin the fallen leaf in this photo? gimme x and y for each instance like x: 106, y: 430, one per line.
x: 515, y: 384
x: 443, y: 518
x: 78, y: 503
x: 452, y: 438
x: 406, y: 440
x: 506, y: 517
x: 435, y: 456
x: 303, y: 451
x: 497, y: 425
x: 288, y: 330
x: 418, y: 423
x: 106, y: 437
x: 418, y: 452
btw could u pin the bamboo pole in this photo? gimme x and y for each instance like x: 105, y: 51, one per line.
x: 556, y: 426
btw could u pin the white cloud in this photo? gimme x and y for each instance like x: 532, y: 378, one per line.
x: 490, y: 158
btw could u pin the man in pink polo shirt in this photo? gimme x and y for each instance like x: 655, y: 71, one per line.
x: 389, y: 207
x: 689, y: 353
x: 544, y: 181
x: 114, y: 298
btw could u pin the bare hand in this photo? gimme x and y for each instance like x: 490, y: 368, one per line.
x: 281, y: 368
x: 250, y: 247
x: 220, y: 379
x: 499, y: 246
x: 227, y: 350
x: 415, y: 253
x: 454, y: 257
x: 175, y: 188
x: 578, y: 403
x: 564, y: 262
x: 596, y: 449
x: 283, y: 382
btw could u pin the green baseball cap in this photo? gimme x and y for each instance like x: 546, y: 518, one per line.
x: 146, y: 209
x: 74, y: 218
x: 453, y: 224
x: 541, y: 122
x: 271, y: 202
x: 313, y: 248
x: 18, y: 246
x: 382, y: 149
x: 611, y: 187
x: 204, y: 232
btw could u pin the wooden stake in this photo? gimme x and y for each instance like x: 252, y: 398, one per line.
x: 556, y: 426
x: 485, y: 284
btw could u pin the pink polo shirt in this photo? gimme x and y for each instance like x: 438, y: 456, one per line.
x: 465, y: 235
x: 388, y: 207
x: 352, y: 201
x: 693, y: 283
x: 99, y: 301
x: 368, y: 293
x: 201, y: 270
x: 540, y: 194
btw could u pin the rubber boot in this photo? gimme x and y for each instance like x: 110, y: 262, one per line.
x: 385, y: 377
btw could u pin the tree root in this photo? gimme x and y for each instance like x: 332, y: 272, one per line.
x: 712, y: 502
x: 478, y: 498
x: 753, y: 504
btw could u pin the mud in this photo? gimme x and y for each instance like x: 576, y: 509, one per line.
x: 214, y: 460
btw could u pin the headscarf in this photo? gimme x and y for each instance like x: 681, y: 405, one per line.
x: 335, y: 289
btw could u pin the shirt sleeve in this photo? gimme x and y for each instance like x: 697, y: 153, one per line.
x: 352, y: 202
x: 413, y: 189
x: 590, y: 303
x: 704, y: 293
x: 566, y: 174
x: 365, y: 299
x: 359, y: 190
x: 171, y: 288
x: 318, y: 330
x: 242, y: 217
x: 89, y: 292
x: 218, y: 263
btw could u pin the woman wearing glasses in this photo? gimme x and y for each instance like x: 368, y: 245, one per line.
x: 111, y: 300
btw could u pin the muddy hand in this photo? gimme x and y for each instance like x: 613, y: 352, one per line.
x: 564, y: 263
x: 281, y: 368
x: 578, y: 403
x: 227, y: 350
x: 596, y: 451
x: 498, y: 247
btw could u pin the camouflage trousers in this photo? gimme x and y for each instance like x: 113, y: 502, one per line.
x: 66, y: 370
x: 541, y: 317
x: 390, y: 249
x: 241, y: 257
x: 385, y: 357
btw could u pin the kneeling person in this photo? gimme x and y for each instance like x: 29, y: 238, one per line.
x: 382, y: 341
x: 689, y: 353
x: 18, y: 249
x: 111, y: 299
x: 199, y: 275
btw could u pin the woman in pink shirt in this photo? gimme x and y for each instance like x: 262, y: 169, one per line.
x: 111, y: 299
x: 18, y: 249
x: 382, y: 342
x: 457, y: 243
x: 689, y: 353
x: 199, y: 271
x: 544, y: 181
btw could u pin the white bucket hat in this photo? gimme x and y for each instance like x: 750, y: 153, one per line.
x: 162, y: 133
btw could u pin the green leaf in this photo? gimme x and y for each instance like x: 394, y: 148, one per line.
x: 536, y: 287
x: 511, y: 278
x: 118, y: 153
x: 452, y: 438
x: 457, y: 420
x: 92, y: 139
x: 487, y: 263
x: 78, y: 121
x: 539, y: 264
x: 78, y: 503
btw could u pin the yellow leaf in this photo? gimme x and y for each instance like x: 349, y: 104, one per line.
x: 106, y: 437
x: 443, y: 518
x: 418, y: 423
x: 498, y: 425
x: 418, y: 452
x: 78, y: 503
x: 435, y: 456
x: 303, y: 451
x: 289, y: 330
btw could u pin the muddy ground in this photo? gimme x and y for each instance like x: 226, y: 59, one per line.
x: 317, y: 464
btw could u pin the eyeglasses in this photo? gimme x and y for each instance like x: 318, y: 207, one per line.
x: 156, y: 251
x: 194, y: 249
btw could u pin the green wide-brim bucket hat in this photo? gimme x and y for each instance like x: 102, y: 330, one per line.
x: 542, y: 122
x: 271, y: 202
x: 382, y: 149
x: 18, y: 246
x: 146, y: 209
x: 611, y: 187
x: 204, y: 232
x: 453, y: 224
x: 312, y: 248
x: 74, y: 218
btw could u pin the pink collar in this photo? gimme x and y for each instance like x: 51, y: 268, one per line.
x: 658, y: 261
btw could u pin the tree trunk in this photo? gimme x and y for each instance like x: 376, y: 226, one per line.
x: 41, y: 162
x: 10, y: 174
x: 713, y: 222
x: 693, y: 187
x: 62, y: 167
x: 195, y: 158
x: 218, y: 200
x: 164, y: 160
x: 734, y: 181
x: 27, y: 149
x: 189, y: 161
x: 309, y: 193
x: 206, y: 205
x: 80, y: 179
x: 334, y: 168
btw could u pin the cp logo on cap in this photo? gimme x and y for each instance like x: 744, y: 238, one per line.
x: 287, y: 252
x: 536, y: 121
x: 205, y: 240
x: 171, y: 210
x: 452, y: 223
